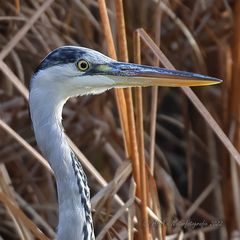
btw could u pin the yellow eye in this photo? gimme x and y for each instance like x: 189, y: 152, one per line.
x: 83, y: 65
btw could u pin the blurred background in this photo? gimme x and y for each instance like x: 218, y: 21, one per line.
x: 197, y: 180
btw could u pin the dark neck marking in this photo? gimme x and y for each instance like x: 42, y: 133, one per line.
x: 84, y: 193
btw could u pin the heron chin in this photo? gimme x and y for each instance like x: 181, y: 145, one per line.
x: 72, y: 71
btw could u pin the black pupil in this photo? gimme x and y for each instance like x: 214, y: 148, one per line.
x: 83, y: 65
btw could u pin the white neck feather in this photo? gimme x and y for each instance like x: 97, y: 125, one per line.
x: 46, y: 113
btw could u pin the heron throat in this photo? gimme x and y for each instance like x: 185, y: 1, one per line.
x: 75, y: 220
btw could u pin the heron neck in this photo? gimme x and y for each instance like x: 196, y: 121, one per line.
x: 46, y: 116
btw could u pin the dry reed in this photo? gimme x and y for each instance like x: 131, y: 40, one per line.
x: 156, y: 167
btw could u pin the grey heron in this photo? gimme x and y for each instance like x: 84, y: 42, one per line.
x: 72, y: 71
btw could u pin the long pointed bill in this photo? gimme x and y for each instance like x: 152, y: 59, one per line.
x: 129, y: 74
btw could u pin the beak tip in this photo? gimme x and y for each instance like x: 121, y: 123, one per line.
x: 207, y: 79
x: 217, y: 80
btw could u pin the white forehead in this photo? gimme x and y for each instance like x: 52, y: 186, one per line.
x: 94, y: 56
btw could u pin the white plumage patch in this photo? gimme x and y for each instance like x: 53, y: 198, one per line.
x: 67, y: 81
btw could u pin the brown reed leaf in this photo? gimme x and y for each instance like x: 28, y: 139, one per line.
x: 22, y: 217
x: 140, y: 138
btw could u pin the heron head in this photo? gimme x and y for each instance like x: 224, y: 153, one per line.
x: 70, y: 71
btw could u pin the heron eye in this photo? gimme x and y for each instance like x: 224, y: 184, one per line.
x: 82, y: 65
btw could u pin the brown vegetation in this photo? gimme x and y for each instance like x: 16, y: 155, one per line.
x: 160, y: 162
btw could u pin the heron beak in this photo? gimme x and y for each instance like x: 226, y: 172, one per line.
x: 133, y: 75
